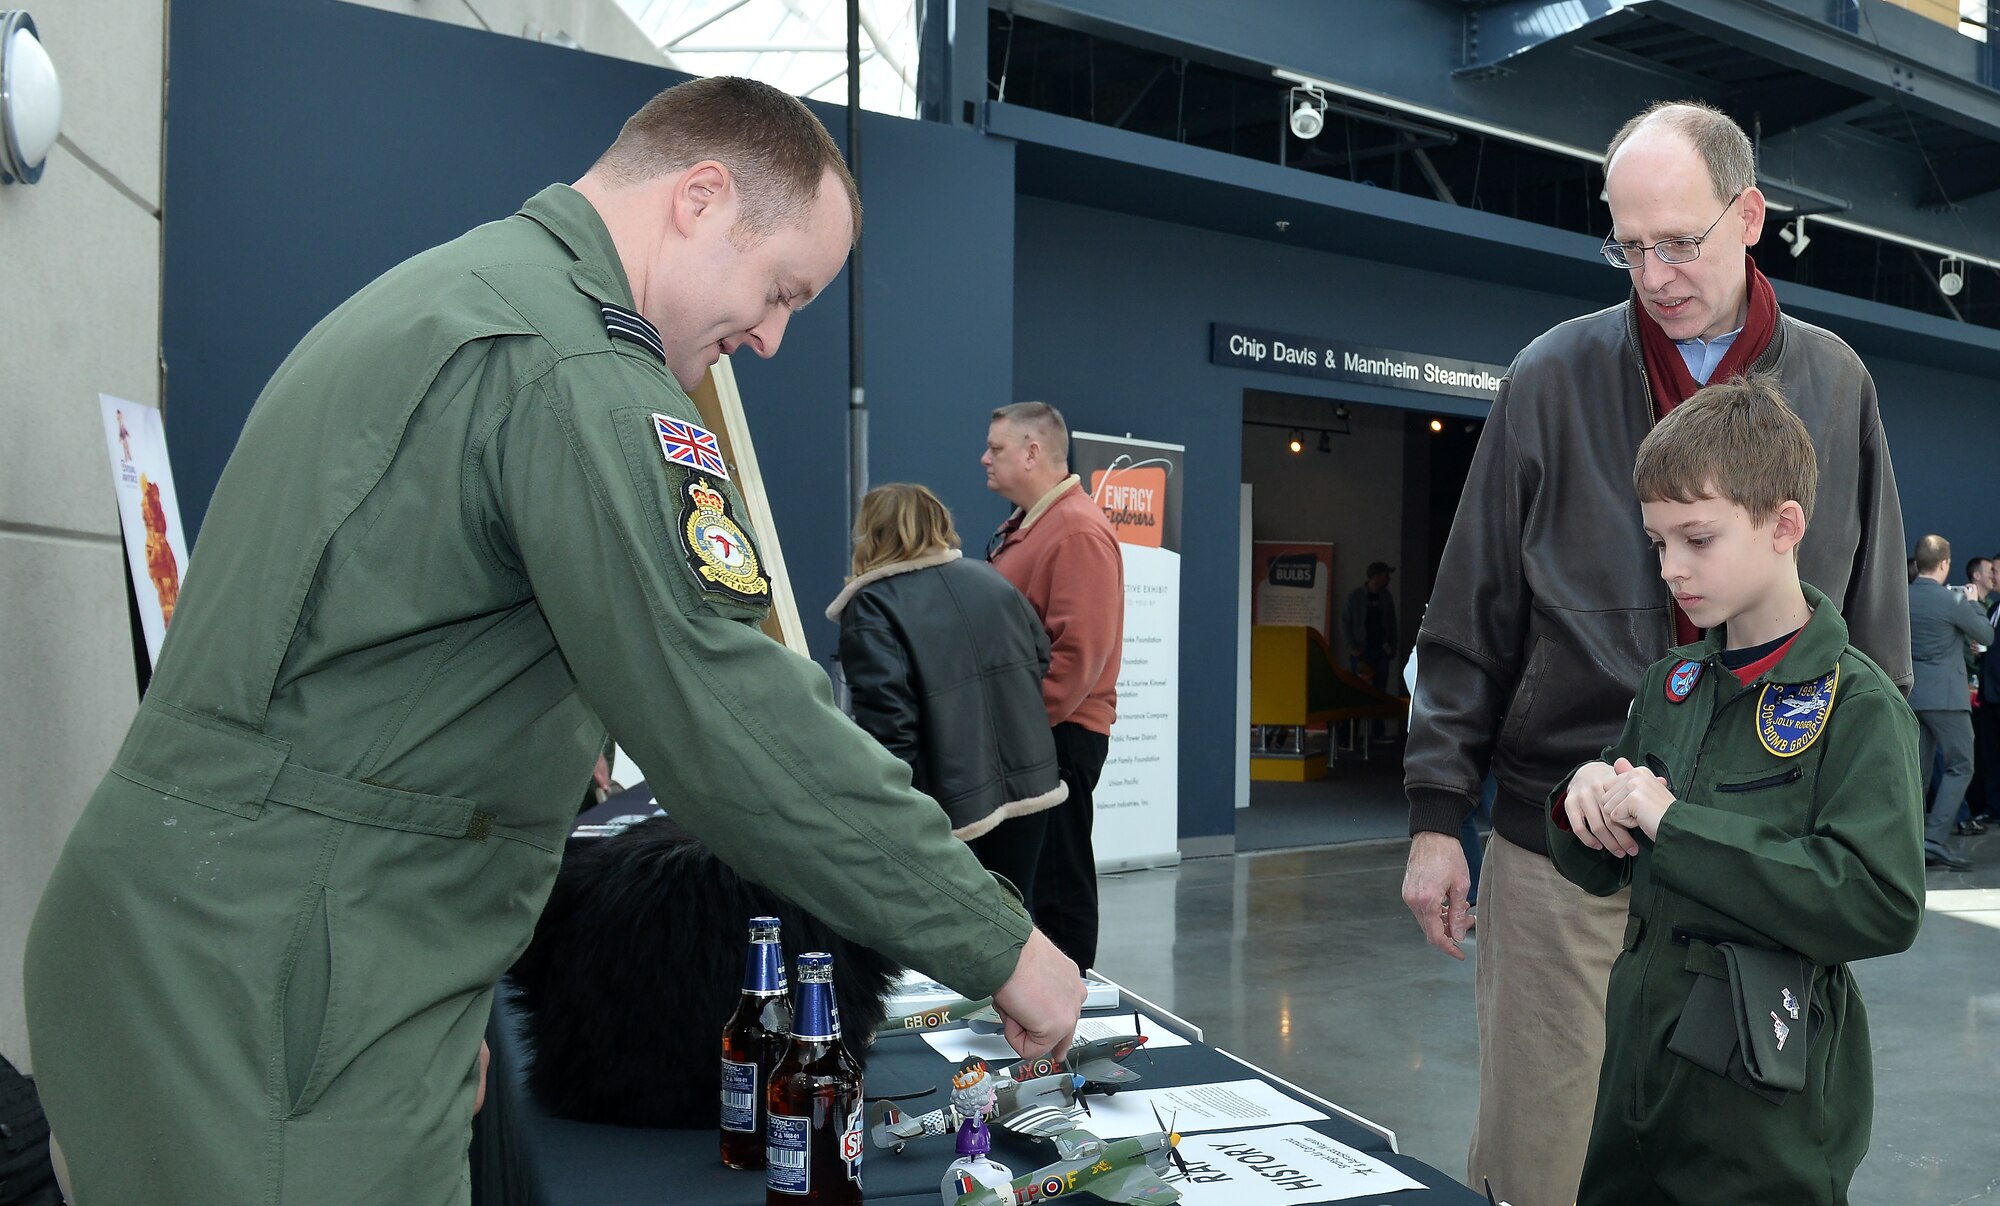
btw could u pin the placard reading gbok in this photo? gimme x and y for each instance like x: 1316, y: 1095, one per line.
x: 1138, y: 483
x: 148, y: 511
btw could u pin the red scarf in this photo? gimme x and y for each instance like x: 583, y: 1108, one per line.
x: 1672, y: 384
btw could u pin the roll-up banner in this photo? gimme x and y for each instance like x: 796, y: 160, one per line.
x: 148, y: 512
x: 1138, y: 484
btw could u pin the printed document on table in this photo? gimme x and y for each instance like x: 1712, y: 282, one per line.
x: 1280, y: 1164
x: 958, y: 1043
x: 1228, y: 1106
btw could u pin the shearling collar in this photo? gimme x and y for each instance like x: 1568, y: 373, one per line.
x: 847, y: 593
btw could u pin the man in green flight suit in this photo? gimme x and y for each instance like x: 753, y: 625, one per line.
x: 473, y: 512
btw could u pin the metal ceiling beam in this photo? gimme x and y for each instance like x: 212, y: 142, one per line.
x: 1495, y: 35
x: 1961, y: 181
x: 1806, y: 41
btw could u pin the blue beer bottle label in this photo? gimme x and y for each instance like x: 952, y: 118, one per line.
x: 814, y: 1019
x: 764, y: 971
x: 787, y: 1156
x: 739, y: 1096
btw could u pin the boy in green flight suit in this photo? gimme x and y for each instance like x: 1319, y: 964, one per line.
x: 1764, y: 803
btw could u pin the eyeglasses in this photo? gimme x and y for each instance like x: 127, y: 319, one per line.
x: 1684, y: 250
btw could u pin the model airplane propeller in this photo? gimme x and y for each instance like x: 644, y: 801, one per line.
x: 1124, y: 1171
x: 1037, y: 1108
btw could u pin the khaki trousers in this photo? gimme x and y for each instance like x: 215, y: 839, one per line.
x: 1545, y: 949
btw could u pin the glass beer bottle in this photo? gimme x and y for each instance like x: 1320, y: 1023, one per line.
x: 753, y: 1042
x: 813, y: 1128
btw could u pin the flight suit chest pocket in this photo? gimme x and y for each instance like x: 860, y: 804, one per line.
x: 695, y: 514
x: 1773, y: 791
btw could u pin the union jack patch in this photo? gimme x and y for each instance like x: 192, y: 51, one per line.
x: 690, y: 445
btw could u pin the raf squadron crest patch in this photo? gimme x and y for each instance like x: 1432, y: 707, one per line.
x: 1681, y: 681
x: 718, y: 550
x: 1791, y: 716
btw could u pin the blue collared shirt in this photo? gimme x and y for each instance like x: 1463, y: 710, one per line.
x: 1702, y: 357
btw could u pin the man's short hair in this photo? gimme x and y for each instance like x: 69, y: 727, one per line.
x: 1042, y: 421
x: 1738, y: 440
x: 1975, y: 565
x: 775, y: 149
x: 1722, y: 144
x: 1932, y: 552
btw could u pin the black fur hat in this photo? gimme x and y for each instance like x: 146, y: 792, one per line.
x: 636, y: 965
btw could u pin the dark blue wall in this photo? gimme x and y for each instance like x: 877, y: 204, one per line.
x: 1111, y: 323
x: 313, y: 144
x: 1941, y: 429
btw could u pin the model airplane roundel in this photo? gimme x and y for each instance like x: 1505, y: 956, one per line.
x: 1123, y: 1171
x: 1101, y: 1062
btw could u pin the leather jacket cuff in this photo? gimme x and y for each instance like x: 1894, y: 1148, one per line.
x: 1437, y: 810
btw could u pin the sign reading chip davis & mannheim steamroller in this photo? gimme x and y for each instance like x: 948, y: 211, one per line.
x: 1332, y: 360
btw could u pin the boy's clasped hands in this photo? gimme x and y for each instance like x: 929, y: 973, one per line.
x: 1607, y: 802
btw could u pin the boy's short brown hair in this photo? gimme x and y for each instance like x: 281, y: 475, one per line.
x: 1738, y: 439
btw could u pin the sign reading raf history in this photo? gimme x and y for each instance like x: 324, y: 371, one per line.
x: 1331, y: 360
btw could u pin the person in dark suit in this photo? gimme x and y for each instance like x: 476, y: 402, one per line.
x: 1942, y: 620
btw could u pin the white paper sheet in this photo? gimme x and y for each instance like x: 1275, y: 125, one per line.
x: 1280, y: 1164
x: 957, y: 1043
x: 1231, y: 1105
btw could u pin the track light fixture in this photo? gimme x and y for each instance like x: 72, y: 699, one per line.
x: 1297, y: 441
x: 1308, y: 105
x: 1326, y: 441
x: 1795, y: 234
x: 1951, y: 276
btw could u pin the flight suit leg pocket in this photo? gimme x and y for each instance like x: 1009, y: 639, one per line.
x: 308, y: 1004
x: 1705, y: 1036
x: 1710, y: 1033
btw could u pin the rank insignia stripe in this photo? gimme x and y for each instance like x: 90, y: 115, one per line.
x: 1791, y: 716
x: 1682, y: 680
x: 631, y: 326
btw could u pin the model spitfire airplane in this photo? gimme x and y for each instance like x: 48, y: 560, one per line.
x: 1101, y: 1062
x: 1122, y: 1171
x: 979, y: 1015
x: 1037, y: 1108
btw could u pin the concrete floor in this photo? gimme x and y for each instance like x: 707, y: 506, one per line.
x: 1305, y: 962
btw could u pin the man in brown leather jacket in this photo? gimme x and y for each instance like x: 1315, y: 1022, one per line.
x: 1530, y: 668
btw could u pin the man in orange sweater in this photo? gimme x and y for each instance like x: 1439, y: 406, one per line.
x: 1059, y: 550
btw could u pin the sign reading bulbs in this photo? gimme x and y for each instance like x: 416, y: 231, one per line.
x: 30, y: 100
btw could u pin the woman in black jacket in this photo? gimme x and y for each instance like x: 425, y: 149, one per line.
x: 944, y: 661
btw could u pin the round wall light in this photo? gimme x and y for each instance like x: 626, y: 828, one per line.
x: 30, y: 99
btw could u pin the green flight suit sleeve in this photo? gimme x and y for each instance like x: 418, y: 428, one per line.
x: 1598, y: 872
x: 1853, y: 887
x: 738, y: 736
